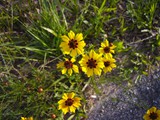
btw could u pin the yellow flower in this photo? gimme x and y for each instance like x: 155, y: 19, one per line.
x: 24, y: 118
x: 108, y: 63
x: 69, y: 103
x: 68, y: 66
x: 152, y: 114
x: 106, y: 47
x: 91, y: 64
x: 72, y: 44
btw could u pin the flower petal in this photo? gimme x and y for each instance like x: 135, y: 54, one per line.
x: 71, y: 35
x: 75, y: 68
x: 73, y: 53
x: 64, y: 70
x: 65, y: 38
x: 72, y: 109
x: 60, y: 65
x: 71, y: 95
x: 70, y: 72
x: 65, y: 110
x: 79, y: 37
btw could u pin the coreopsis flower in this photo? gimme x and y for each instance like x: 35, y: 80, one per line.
x: 69, y: 103
x: 152, y: 114
x: 67, y: 66
x: 106, y: 47
x: 92, y: 64
x: 109, y: 63
x: 72, y: 44
x: 24, y: 118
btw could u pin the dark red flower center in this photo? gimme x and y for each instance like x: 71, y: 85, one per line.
x: 107, y: 63
x: 153, y: 116
x: 68, y: 64
x: 91, y: 63
x: 106, y: 49
x: 69, y: 102
x: 73, y: 44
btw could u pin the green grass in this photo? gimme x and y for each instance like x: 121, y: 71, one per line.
x: 29, y: 50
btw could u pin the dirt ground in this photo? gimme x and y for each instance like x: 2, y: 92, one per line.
x: 119, y: 103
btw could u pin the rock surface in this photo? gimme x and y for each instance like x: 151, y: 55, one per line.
x: 129, y: 104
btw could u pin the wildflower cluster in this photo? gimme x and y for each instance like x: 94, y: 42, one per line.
x: 152, y: 114
x: 91, y: 63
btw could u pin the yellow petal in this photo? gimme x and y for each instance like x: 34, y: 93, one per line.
x: 23, y: 118
x: 30, y: 118
x: 70, y: 72
x: 106, y: 43
x: 65, y: 48
x: 146, y: 117
x: 73, y: 53
x: 61, y: 101
x: 101, y: 50
x: 65, y: 96
x: 65, y: 38
x: 76, y: 104
x: 64, y: 70
x: 77, y: 99
x: 113, y: 65
x: 153, y: 109
x: 112, y: 51
x: 158, y: 112
x: 112, y: 47
x: 89, y: 72
x: 75, y: 68
x: 65, y: 110
x: 73, y: 60
x: 63, y: 44
x: 81, y: 44
x: 85, y: 58
x: 97, y: 71
x: 100, y: 65
x: 79, y: 37
x: 107, y: 69
x: 71, y: 35
x: 71, y: 95
x: 91, y: 53
x: 60, y: 65
x: 84, y: 69
x: 72, y: 109
x: 79, y: 51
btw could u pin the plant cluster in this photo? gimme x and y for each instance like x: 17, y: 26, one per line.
x: 52, y: 52
x: 91, y: 63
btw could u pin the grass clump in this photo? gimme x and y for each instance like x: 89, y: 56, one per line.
x: 52, y: 51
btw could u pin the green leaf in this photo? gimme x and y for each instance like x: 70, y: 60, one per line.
x: 71, y: 117
x: 119, y: 46
x: 49, y: 30
x: 36, y: 37
x: 158, y: 58
x: 31, y: 49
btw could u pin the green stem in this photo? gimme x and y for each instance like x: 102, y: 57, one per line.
x: 89, y: 80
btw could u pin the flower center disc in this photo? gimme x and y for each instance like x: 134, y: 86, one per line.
x: 73, y: 44
x: 91, y: 63
x: 68, y: 64
x: 106, y: 49
x: 107, y: 63
x: 69, y: 102
x: 153, y: 116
